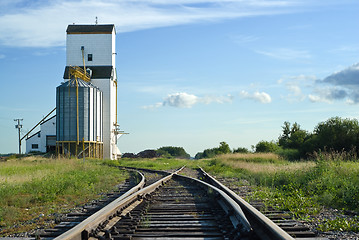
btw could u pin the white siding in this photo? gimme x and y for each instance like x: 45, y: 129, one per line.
x: 35, y: 139
x: 103, y: 49
x: 91, y: 114
x: 99, y: 45
x: 46, y: 129
x: 113, y: 48
x: 99, y: 121
x: 108, y: 89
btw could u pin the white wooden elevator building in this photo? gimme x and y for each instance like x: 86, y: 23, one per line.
x: 86, y: 111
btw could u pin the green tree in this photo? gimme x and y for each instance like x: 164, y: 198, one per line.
x: 199, y: 155
x: 292, y: 136
x: 284, y: 138
x: 337, y: 134
x: 177, y: 152
x: 241, y: 150
x: 265, y: 146
x: 224, y: 148
x: 212, y: 152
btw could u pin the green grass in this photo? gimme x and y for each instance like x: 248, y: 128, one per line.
x: 30, y: 187
x: 340, y: 224
x: 332, y: 184
x: 292, y: 199
x: 252, y: 157
x: 303, y: 188
x: 330, y: 180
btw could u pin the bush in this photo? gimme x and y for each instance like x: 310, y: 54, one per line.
x: 241, y: 150
x: 289, y: 154
x: 148, y: 154
x: 338, y: 134
x: 210, y: 153
x: 129, y: 155
x: 265, y: 146
x: 177, y: 152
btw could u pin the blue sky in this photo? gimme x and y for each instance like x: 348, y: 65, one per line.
x: 192, y: 73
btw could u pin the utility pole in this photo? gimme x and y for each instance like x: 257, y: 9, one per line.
x: 19, y: 126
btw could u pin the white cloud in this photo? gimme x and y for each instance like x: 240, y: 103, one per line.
x: 220, y: 99
x: 43, y: 24
x: 316, y: 98
x: 180, y: 100
x: 328, y: 94
x: 261, y: 97
x: 342, y: 85
x: 347, y: 77
x: 185, y: 100
x: 339, y: 86
x: 286, y: 54
x: 295, y: 86
x: 154, y: 106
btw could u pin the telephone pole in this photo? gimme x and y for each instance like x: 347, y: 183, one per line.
x: 19, y: 126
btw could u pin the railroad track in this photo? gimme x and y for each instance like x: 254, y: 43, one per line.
x: 172, y: 206
x: 266, y: 220
x: 136, y: 181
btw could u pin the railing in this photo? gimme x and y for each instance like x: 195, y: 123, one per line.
x: 78, y: 72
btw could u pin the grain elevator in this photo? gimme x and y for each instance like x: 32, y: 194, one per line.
x: 86, y: 102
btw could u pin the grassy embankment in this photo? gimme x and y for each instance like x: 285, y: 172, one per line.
x: 31, y: 189
x: 330, y: 180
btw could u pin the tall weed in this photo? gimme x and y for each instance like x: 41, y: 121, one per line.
x: 30, y: 187
x: 251, y: 157
x: 330, y: 179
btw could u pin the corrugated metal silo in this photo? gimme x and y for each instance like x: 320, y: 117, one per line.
x: 79, y: 118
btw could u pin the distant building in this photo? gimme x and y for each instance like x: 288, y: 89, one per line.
x: 45, y: 139
x: 86, y: 112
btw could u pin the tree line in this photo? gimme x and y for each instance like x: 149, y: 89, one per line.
x: 294, y: 143
x: 334, y: 134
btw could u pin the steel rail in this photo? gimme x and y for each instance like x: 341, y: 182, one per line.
x: 262, y: 225
x: 246, y: 219
x: 231, y: 207
x: 101, y: 215
x: 82, y: 230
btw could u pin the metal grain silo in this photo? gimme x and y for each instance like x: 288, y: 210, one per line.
x: 79, y: 117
